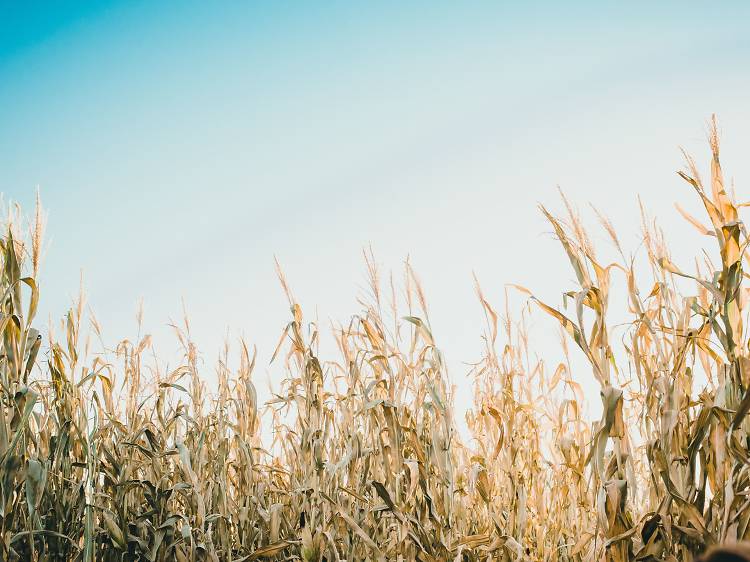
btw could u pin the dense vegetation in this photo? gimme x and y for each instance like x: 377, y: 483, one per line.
x: 106, y: 457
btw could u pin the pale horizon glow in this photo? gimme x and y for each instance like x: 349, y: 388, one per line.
x: 179, y: 147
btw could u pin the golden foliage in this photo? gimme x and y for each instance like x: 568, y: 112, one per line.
x: 108, y: 460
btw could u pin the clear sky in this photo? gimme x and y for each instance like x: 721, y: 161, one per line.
x: 179, y: 146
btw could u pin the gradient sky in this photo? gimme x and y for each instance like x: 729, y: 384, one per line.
x: 179, y: 146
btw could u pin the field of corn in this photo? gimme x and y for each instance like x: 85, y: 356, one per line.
x: 104, y: 457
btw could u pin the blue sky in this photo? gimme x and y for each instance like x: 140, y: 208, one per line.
x: 179, y: 147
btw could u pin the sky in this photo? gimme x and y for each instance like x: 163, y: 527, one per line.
x: 180, y: 148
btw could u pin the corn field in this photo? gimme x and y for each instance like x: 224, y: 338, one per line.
x: 107, y: 457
